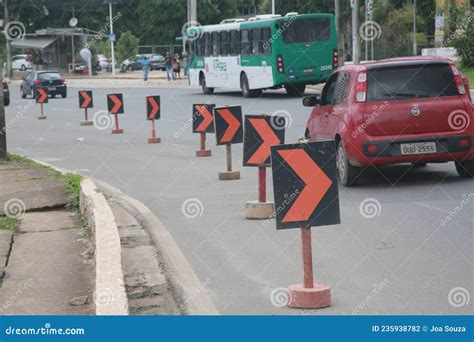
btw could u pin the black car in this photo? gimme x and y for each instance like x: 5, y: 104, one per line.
x: 6, y: 94
x: 50, y: 80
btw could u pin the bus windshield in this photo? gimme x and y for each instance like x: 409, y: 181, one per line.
x: 307, y: 30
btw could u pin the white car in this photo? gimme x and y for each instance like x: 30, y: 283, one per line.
x: 20, y: 62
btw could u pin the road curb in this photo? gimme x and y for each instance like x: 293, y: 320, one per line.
x: 110, y: 296
x: 192, y: 295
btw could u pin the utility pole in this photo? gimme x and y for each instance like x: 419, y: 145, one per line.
x: 8, y: 42
x: 112, y: 50
x: 366, y: 8
x: 340, y: 36
x: 273, y: 6
x: 193, y: 10
x: 3, y: 129
x: 355, y: 32
x: 415, y: 50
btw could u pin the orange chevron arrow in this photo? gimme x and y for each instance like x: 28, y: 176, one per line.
x: 207, y: 118
x: 117, y: 104
x: 154, y: 108
x: 317, y: 183
x: 269, y: 139
x: 43, y: 95
x: 233, y: 123
x: 87, y: 99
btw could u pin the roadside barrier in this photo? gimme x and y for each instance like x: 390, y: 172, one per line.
x: 86, y: 102
x: 153, y: 111
x: 115, y: 107
x: 41, y: 97
x: 203, y: 122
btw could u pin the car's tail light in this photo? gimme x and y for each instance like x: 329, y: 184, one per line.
x: 458, y: 80
x: 280, y: 64
x: 463, y: 142
x: 62, y: 81
x: 361, y: 87
x: 335, y: 59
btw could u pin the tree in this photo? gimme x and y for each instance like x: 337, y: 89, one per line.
x: 127, y: 46
x: 464, y: 43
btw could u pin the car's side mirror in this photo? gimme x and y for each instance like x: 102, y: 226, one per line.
x: 311, y: 101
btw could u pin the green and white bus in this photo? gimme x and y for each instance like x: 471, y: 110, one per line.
x: 264, y: 52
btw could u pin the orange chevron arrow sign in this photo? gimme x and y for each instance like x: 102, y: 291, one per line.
x: 41, y: 95
x: 305, y: 185
x: 85, y: 99
x: 203, y: 119
x: 153, y: 107
x: 228, y: 125
x: 115, y: 103
x: 260, y: 134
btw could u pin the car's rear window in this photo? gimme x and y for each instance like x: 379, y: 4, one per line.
x: 407, y: 82
x: 48, y: 76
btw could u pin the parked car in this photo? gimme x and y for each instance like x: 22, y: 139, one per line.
x: 21, y: 62
x: 6, y: 94
x: 157, y: 62
x: 132, y: 63
x: 51, y: 80
x: 102, y: 63
x: 406, y: 110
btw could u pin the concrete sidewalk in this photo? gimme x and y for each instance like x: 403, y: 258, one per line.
x: 45, y: 256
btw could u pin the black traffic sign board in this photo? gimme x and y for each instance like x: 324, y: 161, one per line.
x: 228, y: 125
x: 85, y: 99
x: 115, y: 103
x: 203, y: 119
x: 305, y: 184
x: 261, y: 132
x: 153, y: 109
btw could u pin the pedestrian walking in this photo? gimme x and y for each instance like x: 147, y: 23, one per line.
x: 185, y: 63
x: 146, y: 67
x: 176, y: 66
x: 169, y: 66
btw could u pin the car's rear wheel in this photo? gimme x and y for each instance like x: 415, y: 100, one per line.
x: 130, y: 68
x: 295, y: 89
x: 204, y: 87
x: 348, y: 174
x: 246, y: 91
x: 6, y: 102
x: 64, y: 95
x: 465, y: 168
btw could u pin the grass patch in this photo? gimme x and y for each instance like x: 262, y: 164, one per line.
x: 86, y: 229
x: 469, y: 73
x: 73, y: 182
x: 8, y: 223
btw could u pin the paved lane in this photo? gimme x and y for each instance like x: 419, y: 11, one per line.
x: 404, y: 260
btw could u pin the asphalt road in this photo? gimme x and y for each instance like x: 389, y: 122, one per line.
x: 404, y: 260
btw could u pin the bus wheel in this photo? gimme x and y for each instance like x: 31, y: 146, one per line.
x: 205, y: 89
x: 295, y: 89
x: 246, y: 92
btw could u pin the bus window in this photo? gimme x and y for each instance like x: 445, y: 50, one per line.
x: 256, y: 41
x: 246, y: 47
x: 215, y: 43
x: 224, y: 43
x: 207, y: 44
x: 234, y: 42
x: 199, y: 46
x: 266, y: 43
x: 307, y: 30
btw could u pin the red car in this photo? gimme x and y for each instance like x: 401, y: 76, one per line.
x: 404, y: 110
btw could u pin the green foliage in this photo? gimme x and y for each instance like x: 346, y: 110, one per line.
x: 464, y: 43
x: 73, y: 181
x: 127, y: 46
x: 8, y: 223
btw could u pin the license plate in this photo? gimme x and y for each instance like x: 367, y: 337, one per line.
x: 418, y: 148
x: 308, y: 70
x: 51, y: 88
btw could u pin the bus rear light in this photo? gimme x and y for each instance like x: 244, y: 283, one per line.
x: 361, y: 87
x: 280, y: 64
x: 335, y: 59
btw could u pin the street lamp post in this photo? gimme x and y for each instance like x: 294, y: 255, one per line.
x: 111, y: 38
x: 415, y: 50
x: 3, y: 130
x: 355, y: 32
